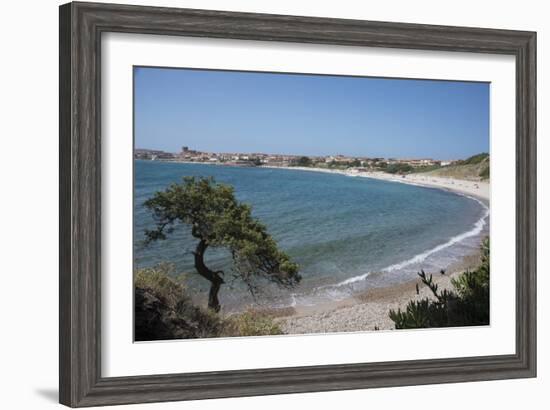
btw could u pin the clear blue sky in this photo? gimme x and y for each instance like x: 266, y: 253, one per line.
x: 222, y: 111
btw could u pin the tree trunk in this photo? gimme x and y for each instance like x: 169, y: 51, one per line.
x: 213, y: 302
x: 215, y: 279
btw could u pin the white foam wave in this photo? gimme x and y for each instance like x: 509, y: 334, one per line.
x: 353, y: 279
x: 294, y: 302
x: 476, y: 230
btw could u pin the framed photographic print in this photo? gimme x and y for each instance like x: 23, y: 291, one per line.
x: 260, y: 204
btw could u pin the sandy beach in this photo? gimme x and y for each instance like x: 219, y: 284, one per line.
x: 480, y: 189
x: 368, y: 310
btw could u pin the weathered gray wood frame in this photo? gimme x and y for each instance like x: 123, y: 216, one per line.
x: 81, y: 26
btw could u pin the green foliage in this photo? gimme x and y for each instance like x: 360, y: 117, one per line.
x: 473, y: 168
x: 419, y: 314
x: 466, y: 305
x: 474, y: 159
x: 425, y: 168
x: 302, y: 162
x: 217, y: 219
x: 474, y: 285
x: 484, y: 174
x: 399, y: 168
x: 250, y: 323
x: 344, y: 164
x: 337, y: 165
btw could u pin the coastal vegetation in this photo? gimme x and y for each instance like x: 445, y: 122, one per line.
x: 484, y: 173
x: 302, y: 162
x: 164, y: 310
x: 474, y: 159
x: 341, y: 165
x: 467, y: 304
x: 473, y: 168
x: 218, y: 220
x: 399, y: 169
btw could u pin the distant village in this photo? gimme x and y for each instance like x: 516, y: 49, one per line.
x: 280, y: 160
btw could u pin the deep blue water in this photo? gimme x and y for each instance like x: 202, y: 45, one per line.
x: 346, y: 233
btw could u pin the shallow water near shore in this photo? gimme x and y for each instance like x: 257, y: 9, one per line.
x: 347, y: 234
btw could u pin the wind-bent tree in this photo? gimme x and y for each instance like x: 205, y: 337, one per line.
x: 217, y: 219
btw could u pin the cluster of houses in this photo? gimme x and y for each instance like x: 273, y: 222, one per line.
x: 190, y: 155
x: 418, y: 162
x: 151, y: 154
x: 251, y: 159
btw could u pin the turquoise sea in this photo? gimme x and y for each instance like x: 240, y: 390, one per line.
x: 346, y: 233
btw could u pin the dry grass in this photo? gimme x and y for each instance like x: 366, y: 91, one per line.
x: 160, y: 282
x: 250, y: 323
x: 470, y: 172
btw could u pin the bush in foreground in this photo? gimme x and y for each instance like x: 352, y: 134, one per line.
x: 466, y: 305
x: 164, y: 311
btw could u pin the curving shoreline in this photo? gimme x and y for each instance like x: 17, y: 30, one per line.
x: 369, y: 310
x: 478, y: 189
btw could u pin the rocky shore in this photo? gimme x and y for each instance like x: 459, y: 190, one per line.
x: 369, y: 310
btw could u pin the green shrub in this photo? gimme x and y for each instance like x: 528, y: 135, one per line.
x: 164, y: 310
x: 399, y: 168
x: 466, y: 305
x: 484, y: 174
x: 474, y: 159
x: 302, y: 162
x: 426, y: 168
